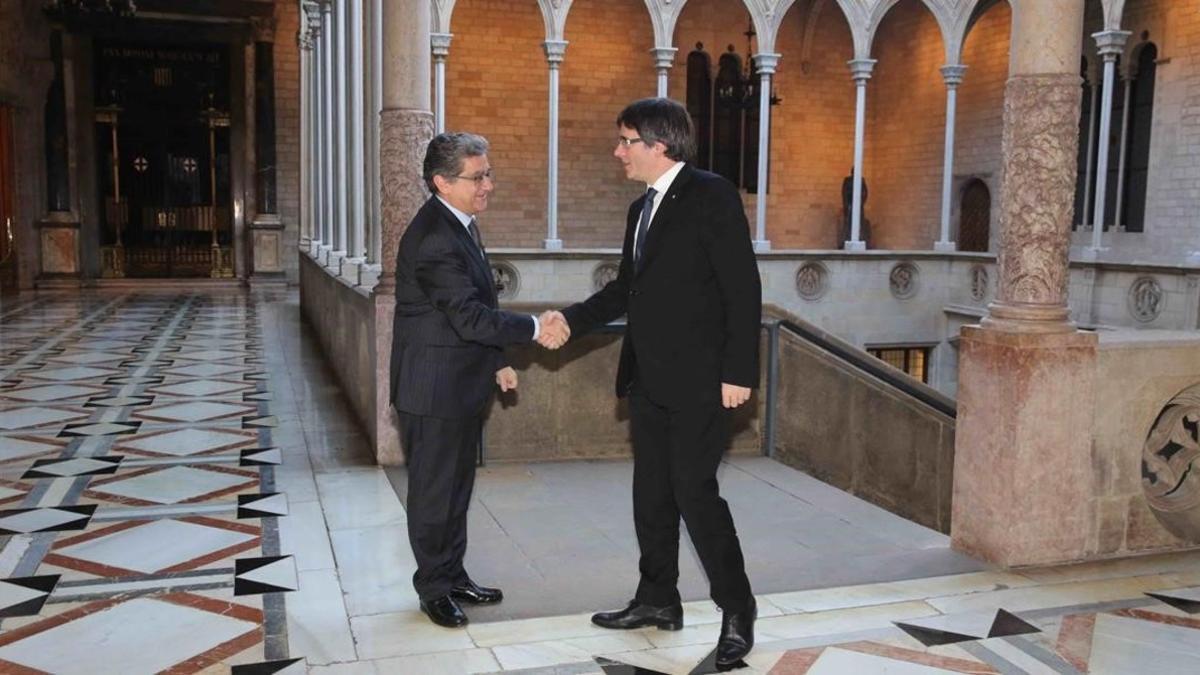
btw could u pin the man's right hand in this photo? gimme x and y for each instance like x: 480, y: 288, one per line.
x: 553, y: 330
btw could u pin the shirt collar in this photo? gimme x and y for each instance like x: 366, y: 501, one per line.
x: 463, y: 217
x: 664, y: 181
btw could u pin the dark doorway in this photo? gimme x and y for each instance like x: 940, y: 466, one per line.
x: 163, y: 141
x: 8, y: 252
x: 1141, y: 117
x: 975, y: 219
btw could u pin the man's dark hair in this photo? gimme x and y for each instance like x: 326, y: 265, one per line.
x: 446, y: 153
x: 662, y: 120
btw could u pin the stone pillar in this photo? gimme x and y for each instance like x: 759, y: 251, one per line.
x: 1093, y: 109
x: 439, y: 43
x: 304, y: 40
x: 266, y: 229
x: 953, y: 75
x: 860, y: 70
x: 1124, y: 146
x: 341, y: 130
x: 59, y: 229
x: 1111, y: 43
x: 766, y: 67
x: 555, y: 50
x: 356, y: 209
x: 327, y: 141
x: 406, y: 127
x: 664, y: 58
x: 1023, y: 480
x: 373, y: 109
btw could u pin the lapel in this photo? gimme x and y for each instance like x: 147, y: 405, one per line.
x: 664, y: 217
x: 470, y: 250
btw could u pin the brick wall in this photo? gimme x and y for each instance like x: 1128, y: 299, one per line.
x: 287, y: 130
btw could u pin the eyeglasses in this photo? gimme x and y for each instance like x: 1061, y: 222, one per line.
x: 626, y: 142
x: 480, y: 177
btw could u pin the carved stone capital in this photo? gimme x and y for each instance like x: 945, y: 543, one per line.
x: 403, y: 137
x: 766, y: 62
x: 1110, y: 43
x: 555, y: 50
x: 1039, y: 146
x: 439, y: 45
x: 953, y: 74
x: 861, y: 69
x: 664, y: 57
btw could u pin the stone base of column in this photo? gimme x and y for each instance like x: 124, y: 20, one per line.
x: 854, y: 246
x: 1092, y: 253
x: 762, y: 245
x: 1023, y: 472
x: 1028, y: 317
x: 945, y: 246
x: 552, y: 244
x: 383, y: 429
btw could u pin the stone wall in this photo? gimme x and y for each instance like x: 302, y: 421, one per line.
x: 287, y: 132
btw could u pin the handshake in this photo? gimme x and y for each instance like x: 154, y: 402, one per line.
x: 553, y: 330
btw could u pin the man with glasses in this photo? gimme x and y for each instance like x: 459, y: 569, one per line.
x: 688, y: 284
x: 447, y: 359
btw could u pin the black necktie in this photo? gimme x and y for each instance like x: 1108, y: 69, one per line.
x: 643, y: 225
x: 474, y: 230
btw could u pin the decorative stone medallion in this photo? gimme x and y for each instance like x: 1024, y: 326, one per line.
x: 812, y: 280
x: 1170, y: 470
x: 903, y: 280
x: 604, y: 273
x: 508, y: 282
x: 1145, y: 299
x: 979, y: 283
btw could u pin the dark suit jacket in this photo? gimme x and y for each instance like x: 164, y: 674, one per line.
x: 695, y: 305
x: 447, y: 334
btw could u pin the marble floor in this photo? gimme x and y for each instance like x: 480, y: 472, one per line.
x: 183, y: 490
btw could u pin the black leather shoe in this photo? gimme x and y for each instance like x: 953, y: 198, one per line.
x: 471, y: 592
x: 737, y: 635
x: 444, y: 611
x: 638, y: 615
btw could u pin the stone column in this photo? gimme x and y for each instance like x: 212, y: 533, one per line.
x: 373, y: 110
x: 1122, y: 153
x: 766, y: 67
x: 356, y: 208
x: 327, y: 122
x: 266, y: 229
x: 341, y: 131
x: 953, y: 75
x: 664, y: 58
x: 860, y: 70
x: 1093, y: 109
x: 1111, y: 43
x: 305, y: 43
x: 555, y: 50
x: 439, y: 43
x: 59, y: 229
x: 1023, y: 478
x: 406, y: 127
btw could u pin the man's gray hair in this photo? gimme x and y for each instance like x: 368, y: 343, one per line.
x: 446, y: 153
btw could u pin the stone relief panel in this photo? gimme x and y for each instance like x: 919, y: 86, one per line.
x: 1170, y: 471
x: 604, y: 273
x: 812, y: 280
x: 979, y: 283
x: 403, y: 136
x: 903, y: 280
x: 508, y: 282
x: 1145, y: 300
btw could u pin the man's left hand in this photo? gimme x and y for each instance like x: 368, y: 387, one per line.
x: 506, y: 378
x: 733, y: 396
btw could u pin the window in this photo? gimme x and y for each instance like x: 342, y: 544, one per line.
x: 725, y: 111
x: 1141, y: 113
x: 913, y: 361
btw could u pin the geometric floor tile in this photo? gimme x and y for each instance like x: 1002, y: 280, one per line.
x: 199, y: 388
x: 264, y: 505
x: 21, y: 418
x: 949, y: 629
x: 51, y: 392
x: 118, y: 401
x: 73, y: 466
x: 173, y: 485
x: 137, y: 636
x: 611, y: 667
x: 100, y: 429
x: 187, y: 441
x: 270, y: 574
x: 263, y: 422
x: 261, y: 457
x: 13, y: 448
x: 72, y: 373
x: 155, y: 546
x: 1123, y: 644
x: 89, y: 358
x: 211, y: 354
x: 50, y: 519
x: 193, y: 412
x: 294, y: 666
x: 205, y: 370
x: 24, y: 596
x: 8, y: 493
x: 1183, y: 599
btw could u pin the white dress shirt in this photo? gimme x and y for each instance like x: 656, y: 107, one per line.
x: 660, y: 189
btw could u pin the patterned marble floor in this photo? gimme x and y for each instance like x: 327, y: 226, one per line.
x: 183, y: 490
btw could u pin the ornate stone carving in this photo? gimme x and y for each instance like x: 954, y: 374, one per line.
x: 1145, y: 300
x: 403, y: 137
x: 1170, y: 472
x: 508, y: 282
x: 603, y: 274
x: 979, y: 283
x: 903, y: 280
x: 812, y: 280
x: 1039, y: 146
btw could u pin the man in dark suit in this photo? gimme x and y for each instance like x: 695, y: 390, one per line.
x: 447, y: 359
x: 689, y: 285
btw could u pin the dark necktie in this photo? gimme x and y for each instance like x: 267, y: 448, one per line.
x: 643, y: 225
x: 474, y: 230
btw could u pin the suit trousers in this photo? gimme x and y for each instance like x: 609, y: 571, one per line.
x: 675, y: 458
x: 441, y: 475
